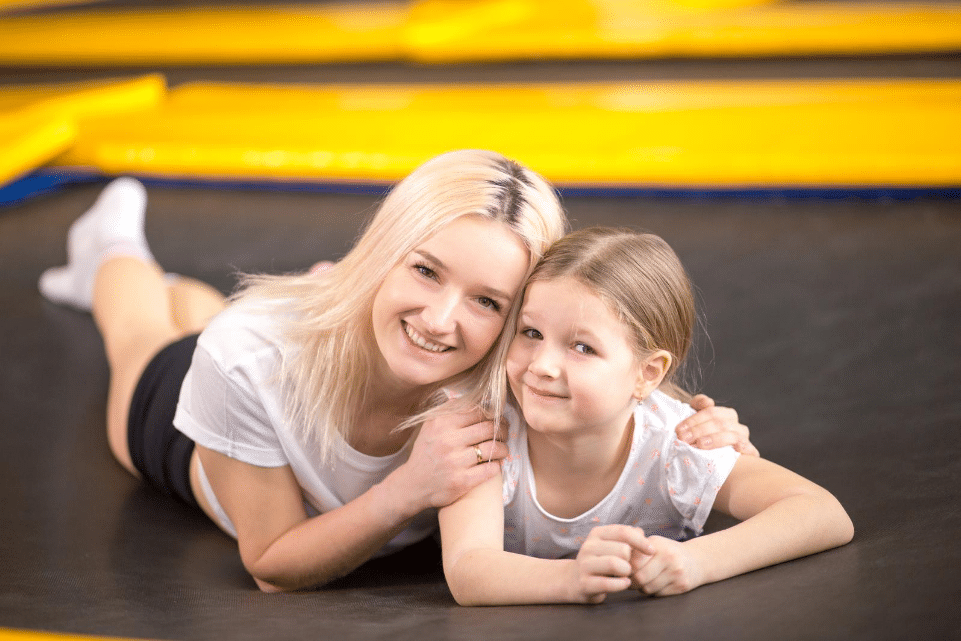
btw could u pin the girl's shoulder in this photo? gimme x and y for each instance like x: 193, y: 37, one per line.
x: 661, y: 413
x: 514, y: 435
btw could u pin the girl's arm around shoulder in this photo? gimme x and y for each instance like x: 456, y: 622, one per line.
x: 783, y: 516
x: 480, y: 572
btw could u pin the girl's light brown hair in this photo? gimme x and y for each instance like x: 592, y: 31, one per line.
x: 641, y: 280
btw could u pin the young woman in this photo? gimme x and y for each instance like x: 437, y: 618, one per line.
x: 280, y: 421
x: 598, y: 495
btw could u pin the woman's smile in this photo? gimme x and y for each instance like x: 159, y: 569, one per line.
x: 423, y: 342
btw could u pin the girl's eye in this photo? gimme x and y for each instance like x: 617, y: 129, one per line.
x: 489, y: 303
x: 532, y: 333
x: 583, y: 348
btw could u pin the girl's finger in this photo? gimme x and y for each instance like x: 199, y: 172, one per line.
x: 605, y: 566
x: 601, y: 585
x: 632, y: 536
x: 600, y: 547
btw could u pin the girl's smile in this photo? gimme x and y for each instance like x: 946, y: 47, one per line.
x: 570, y: 365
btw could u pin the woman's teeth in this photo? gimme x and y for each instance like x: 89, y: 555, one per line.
x: 422, y: 342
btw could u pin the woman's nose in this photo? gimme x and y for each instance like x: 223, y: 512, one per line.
x: 440, y: 315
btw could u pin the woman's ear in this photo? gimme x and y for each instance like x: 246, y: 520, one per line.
x: 652, y: 371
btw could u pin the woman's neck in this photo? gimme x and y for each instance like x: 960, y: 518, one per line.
x: 388, y: 404
x: 574, y: 472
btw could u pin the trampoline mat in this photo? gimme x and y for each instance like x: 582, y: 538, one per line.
x: 832, y: 328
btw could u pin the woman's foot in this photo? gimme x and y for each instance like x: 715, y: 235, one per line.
x: 113, y: 226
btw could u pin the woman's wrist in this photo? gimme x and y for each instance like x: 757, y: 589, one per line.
x: 398, y: 497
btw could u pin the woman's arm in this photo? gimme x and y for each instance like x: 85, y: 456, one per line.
x: 784, y: 516
x: 284, y: 550
x: 712, y: 427
x: 480, y: 572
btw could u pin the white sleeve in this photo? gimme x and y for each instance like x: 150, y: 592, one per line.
x: 512, y: 466
x: 221, y: 410
x: 694, y: 477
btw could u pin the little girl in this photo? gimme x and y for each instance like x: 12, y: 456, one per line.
x: 598, y: 495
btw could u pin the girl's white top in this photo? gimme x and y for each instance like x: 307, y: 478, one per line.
x: 231, y: 403
x: 666, y: 487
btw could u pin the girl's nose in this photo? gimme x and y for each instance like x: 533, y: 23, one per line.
x: 545, y: 363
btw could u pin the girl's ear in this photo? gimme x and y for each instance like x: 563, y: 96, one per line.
x: 651, y: 373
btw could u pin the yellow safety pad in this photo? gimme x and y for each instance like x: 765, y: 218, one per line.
x: 19, y: 5
x: 241, y: 34
x: 27, y: 141
x: 455, y: 31
x: 31, y: 635
x: 675, y: 134
x: 37, y: 122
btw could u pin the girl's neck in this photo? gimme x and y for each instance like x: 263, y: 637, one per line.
x: 573, y: 473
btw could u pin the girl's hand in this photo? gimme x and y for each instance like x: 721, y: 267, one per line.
x: 714, y: 427
x: 604, y: 562
x: 451, y: 455
x: 670, y: 569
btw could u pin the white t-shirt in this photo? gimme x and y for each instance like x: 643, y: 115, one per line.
x: 230, y: 402
x: 666, y: 487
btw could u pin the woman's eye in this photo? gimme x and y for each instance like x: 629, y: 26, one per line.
x: 425, y: 271
x: 583, y: 348
x: 489, y: 303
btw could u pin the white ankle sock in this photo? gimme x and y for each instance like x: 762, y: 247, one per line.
x: 113, y: 226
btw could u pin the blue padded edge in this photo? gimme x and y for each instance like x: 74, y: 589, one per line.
x: 45, y: 181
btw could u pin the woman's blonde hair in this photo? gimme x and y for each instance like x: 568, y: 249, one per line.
x: 330, y: 350
x: 641, y: 280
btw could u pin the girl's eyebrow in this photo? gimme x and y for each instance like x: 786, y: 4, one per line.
x: 490, y: 292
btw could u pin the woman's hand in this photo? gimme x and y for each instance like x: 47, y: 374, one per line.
x: 604, y: 562
x: 712, y: 427
x: 451, y: 455
x: 319, y: 267
x: 670, y: 569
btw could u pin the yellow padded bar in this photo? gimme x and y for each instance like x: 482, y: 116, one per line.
x: 28, y: 141
x: 245, y: 34
x: 38, y: 122
x: 680, y: 134
x: 7, y: 634
x: 456, y: 30
x: 20, y: 5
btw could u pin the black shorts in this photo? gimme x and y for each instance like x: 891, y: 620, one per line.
x: 160, y: 451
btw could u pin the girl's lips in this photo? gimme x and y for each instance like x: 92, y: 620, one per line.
x: 544, y: 393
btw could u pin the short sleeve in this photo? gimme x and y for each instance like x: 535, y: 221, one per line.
x: 694, y: 477
x: 223, y: 411
x: 512, y: 465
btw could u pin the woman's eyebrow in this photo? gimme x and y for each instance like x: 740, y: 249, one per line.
x: 491, y: 292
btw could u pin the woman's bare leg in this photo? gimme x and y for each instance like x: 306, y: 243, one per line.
x: 111, y: 272
x: 131, y: 307
x: 193, y: 303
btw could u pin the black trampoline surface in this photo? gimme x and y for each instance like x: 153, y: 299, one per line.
x: 834, y: 331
